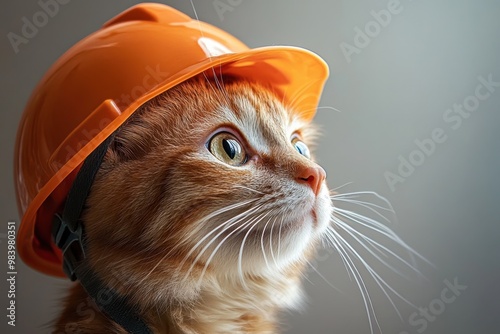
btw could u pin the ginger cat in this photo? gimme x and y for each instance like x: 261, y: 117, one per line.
x: 204, y: 212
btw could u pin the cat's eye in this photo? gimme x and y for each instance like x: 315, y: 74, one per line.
x: 226, y: 147
x: 301, y: 147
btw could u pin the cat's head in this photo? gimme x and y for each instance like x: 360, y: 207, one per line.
x: 213, y: 177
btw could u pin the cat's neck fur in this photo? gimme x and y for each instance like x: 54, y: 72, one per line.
x: 229, y: 307
x: 220, y: 305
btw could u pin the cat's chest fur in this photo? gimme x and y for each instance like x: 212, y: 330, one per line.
x: 226, y: 307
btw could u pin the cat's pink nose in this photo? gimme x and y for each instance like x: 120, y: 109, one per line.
x: 313, y: 176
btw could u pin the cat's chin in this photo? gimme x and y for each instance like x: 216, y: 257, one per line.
x: 322, y: 211
x: 299, y: 234
x: 316, y: 216
x: 275, y: 247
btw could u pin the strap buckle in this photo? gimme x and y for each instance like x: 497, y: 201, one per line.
x: 70, y: 241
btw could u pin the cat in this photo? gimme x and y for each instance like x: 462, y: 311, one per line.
x: 205, y: 212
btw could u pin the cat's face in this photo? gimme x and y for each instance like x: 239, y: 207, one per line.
x: 211, y: 177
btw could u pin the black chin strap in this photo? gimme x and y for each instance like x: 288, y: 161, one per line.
x: 68, y: 234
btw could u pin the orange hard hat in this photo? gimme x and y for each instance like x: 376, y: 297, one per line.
x: 98, y: 83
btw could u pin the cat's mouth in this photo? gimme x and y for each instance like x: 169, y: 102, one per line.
x: 293, y: 224
x: 313, y: 215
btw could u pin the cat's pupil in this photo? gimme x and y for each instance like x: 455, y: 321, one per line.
x: 231, y: 147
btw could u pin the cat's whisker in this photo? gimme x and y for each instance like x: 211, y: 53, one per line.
x: 227, y: 224
x: 330, y: 107
x: 358, y: 279
x: 249, y: 189
x: 217, y: 92
x: 262, y: 244
x: 332, y: 242
x: 214, y: 252
x: 300, y: 95
x: 322, y: 107
x: 284, y: 96
x: 223, y: 87
x: 370, y: 206
x: 224, y: 225
x: 366, y: 205
x: 381, y: 229
x: 211, y: 216
x: 373, y: 247
x: 303, y: 275
x: 202, y: 34
x: 353, y: 232
x: 303, y: 112
x: 323, y: 277
x: 279, y: 235
x: 240, y: 256
x: 354, y: 198
x: 339, y: 187
x: 237, y: 229
x: 222, y: 90
x: 368, y: 223
x: 370, y: 193
x: 209, y: 55
x: 271, y: 242
x: 154, y: 268
x: 377, y: 278
x: 208, y: 217
x: 338, y: 222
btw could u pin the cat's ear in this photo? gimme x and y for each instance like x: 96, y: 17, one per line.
x: 131, y: 141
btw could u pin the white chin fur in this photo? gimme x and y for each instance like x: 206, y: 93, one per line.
x: 263, y: 256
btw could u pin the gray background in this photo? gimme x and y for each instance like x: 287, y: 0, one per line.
x: 393, y: 92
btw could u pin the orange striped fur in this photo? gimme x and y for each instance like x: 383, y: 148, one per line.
x: 160, y: 192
